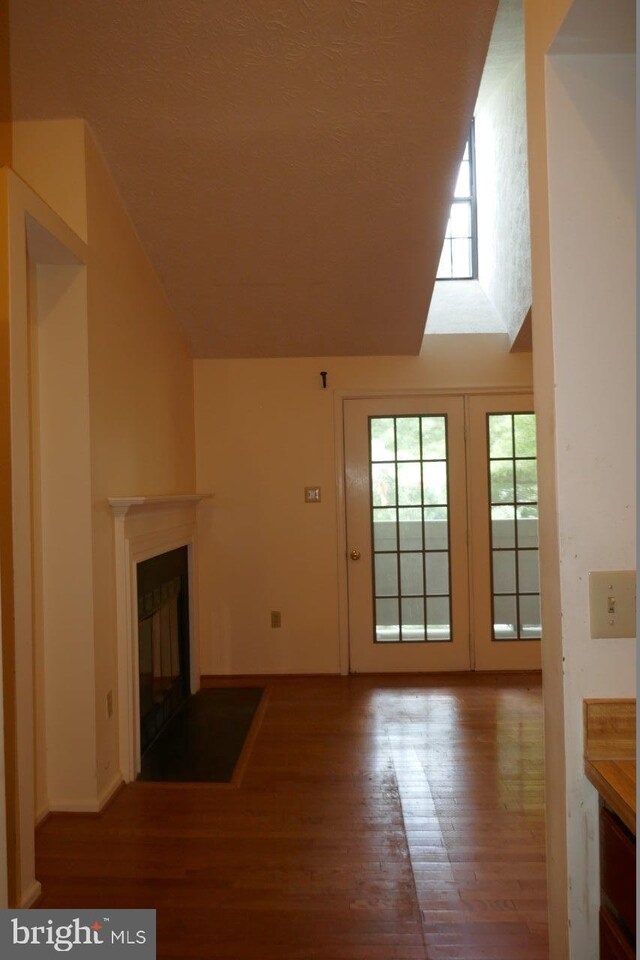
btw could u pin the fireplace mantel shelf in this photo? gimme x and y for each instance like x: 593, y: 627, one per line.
x: 121, y: 505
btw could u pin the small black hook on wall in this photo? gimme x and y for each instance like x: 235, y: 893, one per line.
x: 323, y: 374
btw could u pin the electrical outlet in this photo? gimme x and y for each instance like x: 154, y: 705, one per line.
x: 109, y: 705
x: 276, y: 619
x: 612, y: 603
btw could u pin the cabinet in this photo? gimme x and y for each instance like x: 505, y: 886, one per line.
x: 617, y: 888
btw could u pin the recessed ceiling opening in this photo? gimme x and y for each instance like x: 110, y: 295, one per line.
x: 483, y: 284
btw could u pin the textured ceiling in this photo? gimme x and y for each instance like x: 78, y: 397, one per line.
x: 288, y: 164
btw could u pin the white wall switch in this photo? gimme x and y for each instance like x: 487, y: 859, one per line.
x: 612, y: 603
x: 312, y: 494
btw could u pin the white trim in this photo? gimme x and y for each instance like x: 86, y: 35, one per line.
x: 471, y: 574
x: 23, y: 208
x: 123, y: 504
x: 370, y: 393
x: 71, y: 805
x: 146, y: 527
x: 341, y: 518
x: 30, y: 895
x: 110, y: 790
x: 87, y: 806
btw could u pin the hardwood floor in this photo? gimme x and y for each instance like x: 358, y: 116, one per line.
x: 379, y: 818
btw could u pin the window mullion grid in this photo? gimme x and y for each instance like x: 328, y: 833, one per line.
x: 374, y: 577
x: 491, y: 546
x: 448, y: 515
x: 474, y: 203
x: 395, y: 444
x: 515, y: 528
x: 467, y: 202
x: 422, y: 537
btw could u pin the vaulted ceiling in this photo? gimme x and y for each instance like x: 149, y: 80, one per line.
x: 288, y: 164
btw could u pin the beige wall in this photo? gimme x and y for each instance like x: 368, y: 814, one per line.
x: 62, y: 537
x: 138, y: 437
x: 141, y: 402
x: 7, y: 692
x: 265, y: 429
x: 24, y: 211
x: 49, y: 155
x: 581, y: 118
x: 504, y: 240
x: 7, y: 811
x: 591, y: 153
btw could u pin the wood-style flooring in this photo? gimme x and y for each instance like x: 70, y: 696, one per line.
x: 378, y: 818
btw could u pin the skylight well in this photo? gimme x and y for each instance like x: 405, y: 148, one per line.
x: 487, y: 246
x: 459, y: 258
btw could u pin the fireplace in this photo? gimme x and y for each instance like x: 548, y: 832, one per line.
x: 146, y: 528
x: 163, y: 640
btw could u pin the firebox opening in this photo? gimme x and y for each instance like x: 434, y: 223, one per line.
x: 163, y: 641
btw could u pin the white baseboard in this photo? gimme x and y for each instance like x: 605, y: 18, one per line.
x: 30, y: 895
x: 87, y: 806
x: 73, y: 806
x: 109, y: 791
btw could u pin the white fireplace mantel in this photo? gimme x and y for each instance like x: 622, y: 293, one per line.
x: 146, y: 526
x: 122, y: 505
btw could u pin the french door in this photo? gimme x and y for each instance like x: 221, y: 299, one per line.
x: 503, y: 534
x: 406, y: 504
x: 441, y: 517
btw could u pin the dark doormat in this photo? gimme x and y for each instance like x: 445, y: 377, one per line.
x: 203, y: 741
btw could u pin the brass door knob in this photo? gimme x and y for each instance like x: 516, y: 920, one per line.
x: 355, y: 554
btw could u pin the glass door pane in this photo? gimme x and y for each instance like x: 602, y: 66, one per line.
x: 409, y: 507
x: 506, y: 626
x: 514, y: 526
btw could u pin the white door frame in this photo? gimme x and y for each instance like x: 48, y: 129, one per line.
x: 53, y: 243
x: 488, y: 653
x: 339, y: 397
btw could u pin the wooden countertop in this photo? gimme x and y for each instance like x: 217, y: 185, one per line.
x: 615, y: 781
x: 610, y: 754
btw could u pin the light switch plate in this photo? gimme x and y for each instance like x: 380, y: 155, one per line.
x: 312, y: 494
x: 612, y: 603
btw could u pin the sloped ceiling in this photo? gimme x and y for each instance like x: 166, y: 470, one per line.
x: 288, y: 164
